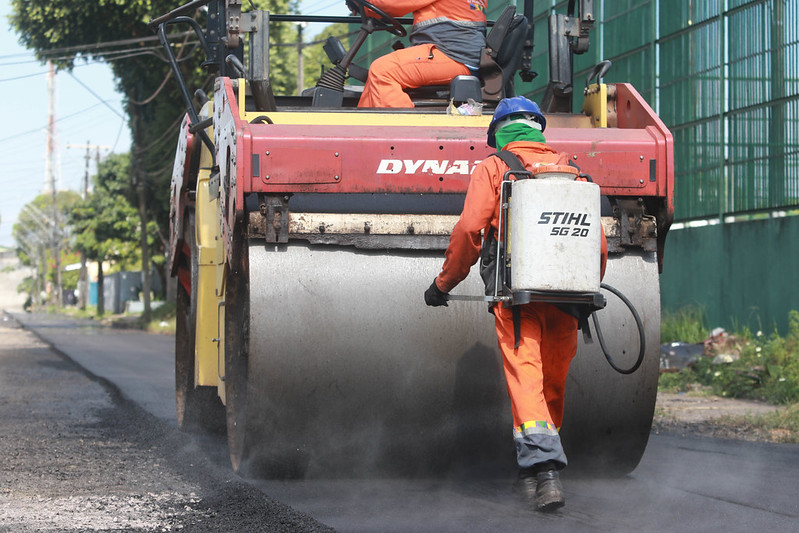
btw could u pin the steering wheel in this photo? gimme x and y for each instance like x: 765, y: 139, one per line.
x: 385, y: 21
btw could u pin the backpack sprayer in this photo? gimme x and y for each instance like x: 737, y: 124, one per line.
x: 548, y: 247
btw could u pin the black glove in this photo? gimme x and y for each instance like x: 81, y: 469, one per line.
x: 352, y: 7
x: 434, y: 296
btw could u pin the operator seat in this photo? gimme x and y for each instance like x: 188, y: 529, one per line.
x: 498, y: 78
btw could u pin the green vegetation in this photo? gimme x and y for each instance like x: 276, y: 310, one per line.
x: 163, y: 320
x: 685, y: 325
x: 783, y: 425
x: 684, y: 381
x: 779, y: 426
x: 755, y: 366
x: 743, y: 365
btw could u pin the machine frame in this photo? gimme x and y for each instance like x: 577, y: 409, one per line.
x: 255, y: 169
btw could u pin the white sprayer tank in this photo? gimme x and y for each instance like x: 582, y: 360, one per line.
x: 555, y: 225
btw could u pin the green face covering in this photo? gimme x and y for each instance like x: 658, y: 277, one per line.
x: 518, y: 132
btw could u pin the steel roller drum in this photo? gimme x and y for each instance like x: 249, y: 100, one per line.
x: 350, y: 373
x: 608, y: 415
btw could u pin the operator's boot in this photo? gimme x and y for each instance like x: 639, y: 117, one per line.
x: 526, y: 485
x: 549, y: 490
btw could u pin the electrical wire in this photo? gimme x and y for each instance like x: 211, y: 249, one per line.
x: 117, y: 113
x: 24, y: 76
x: 106, y: 53
x: 168, y: 131
x: 109, y: 58
x: 59, y: 119
x: 99, y: 46
x: 166, y: 78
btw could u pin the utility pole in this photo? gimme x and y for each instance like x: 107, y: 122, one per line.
x: 49, y: 172
x: 300, y: 61
x: 50, y: 181
x: 83, y: 285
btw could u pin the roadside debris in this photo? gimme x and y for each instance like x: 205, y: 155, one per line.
x: 720, y: 345
x: 674, y: 356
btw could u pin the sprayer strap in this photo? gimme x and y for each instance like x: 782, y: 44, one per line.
x: 515, y: 165
x: 582, y: 325
x: 511, y: 159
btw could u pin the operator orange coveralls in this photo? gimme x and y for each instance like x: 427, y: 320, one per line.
x: 536, y: 371
x: 447, y: 37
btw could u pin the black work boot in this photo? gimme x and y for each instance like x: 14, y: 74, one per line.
x: 549, y: 491
x: 526, y: 485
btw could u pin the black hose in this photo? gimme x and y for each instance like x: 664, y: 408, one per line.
x: 641, y: 335
x: 173, y: 63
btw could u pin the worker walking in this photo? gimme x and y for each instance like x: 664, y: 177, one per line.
x: 447, y: 38
x: 538, y: 349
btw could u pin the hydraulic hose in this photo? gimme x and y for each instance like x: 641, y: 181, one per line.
x: 641, y: 334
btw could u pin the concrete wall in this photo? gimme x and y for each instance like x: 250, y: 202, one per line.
x: 741, y: 274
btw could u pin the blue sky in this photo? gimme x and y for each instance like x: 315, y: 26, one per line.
x: 88, y: 110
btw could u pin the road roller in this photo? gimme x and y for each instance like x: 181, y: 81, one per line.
x: 304, y: 231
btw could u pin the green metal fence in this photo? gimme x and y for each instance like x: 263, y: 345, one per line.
x: 726, y: 81
x: 722, y: 74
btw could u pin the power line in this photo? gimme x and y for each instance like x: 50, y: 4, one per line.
x: 114, y: 55
x: 55, y: 51
x: 109, y: 58
x: 21, y: 54
x: 104, y: 44
x: 24, y: 76
x: 169, y: 130
x: 39, y: 129
x: 117, y: 113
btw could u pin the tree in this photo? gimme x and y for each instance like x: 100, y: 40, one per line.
x: 39, y: 231
x: 282, y: 62
x: 105, y: 223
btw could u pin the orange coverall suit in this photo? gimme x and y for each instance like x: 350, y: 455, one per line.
x: 536, y: 371
x: 434, y: 21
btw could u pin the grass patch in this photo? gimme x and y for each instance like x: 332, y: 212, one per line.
x: 686, y: 325
x: 780, y: 426
x: 758, y: 366
x: 783, y: 424
x: 676, y: 381
x: 90, y: 312
x: 163, y: 319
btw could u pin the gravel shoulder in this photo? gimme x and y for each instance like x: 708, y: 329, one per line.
x: 712, y: 416
x: 78, y: 457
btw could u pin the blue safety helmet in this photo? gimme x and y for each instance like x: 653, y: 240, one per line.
x: 516, y: 105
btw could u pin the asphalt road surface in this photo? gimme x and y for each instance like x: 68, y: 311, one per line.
x: 682, y: 483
